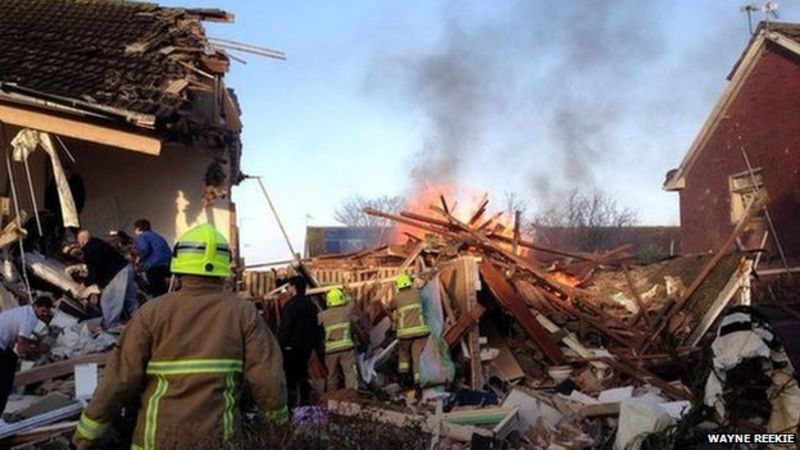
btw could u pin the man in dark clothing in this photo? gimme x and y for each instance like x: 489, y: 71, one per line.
x: 112, y: 273
x: 299, y: 334
x: 154, y: 255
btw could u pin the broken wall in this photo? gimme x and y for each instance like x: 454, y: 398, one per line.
x: 123, y: 186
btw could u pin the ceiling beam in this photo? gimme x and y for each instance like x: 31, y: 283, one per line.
x: 76, y: 129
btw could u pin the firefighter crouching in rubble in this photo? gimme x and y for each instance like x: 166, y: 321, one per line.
x: 412, y: 331
x: 342, y: 332
x: 185, y: 356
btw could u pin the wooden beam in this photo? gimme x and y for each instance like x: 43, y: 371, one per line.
x: 56, y: 369
x: 639, y: 303
x: 516, y: 238
x: 600, y: 410
x: 506, y: 295
x: 73, y: 128
x: 463, y: 324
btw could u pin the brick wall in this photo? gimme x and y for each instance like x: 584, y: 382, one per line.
x: 765, y: 119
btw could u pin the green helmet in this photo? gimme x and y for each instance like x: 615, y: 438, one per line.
x: 335, y: 297
x: 202, y: 251
x: 403, y: 281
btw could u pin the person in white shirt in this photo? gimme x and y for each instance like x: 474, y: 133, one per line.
x: 16, y: 330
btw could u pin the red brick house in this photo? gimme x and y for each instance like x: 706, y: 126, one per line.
x: 758, y: 114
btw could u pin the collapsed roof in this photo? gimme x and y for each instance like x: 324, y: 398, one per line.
x: 122, y: 61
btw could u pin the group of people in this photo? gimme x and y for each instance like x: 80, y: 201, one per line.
x: 337, y: 331
x: 183, y: 358
x: 114, y: 277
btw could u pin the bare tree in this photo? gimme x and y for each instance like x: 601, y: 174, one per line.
x: 350, y: 212
x: 585, y: 221
x: 515, y: 202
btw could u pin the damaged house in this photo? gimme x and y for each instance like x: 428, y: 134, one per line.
x: 128, y: 102
x: 749, y: 142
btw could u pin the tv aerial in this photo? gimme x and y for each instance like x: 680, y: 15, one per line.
x: 770, y: 10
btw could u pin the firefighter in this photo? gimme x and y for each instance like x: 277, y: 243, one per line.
x: 185, y: 357
x: 412, y: 331
x: 339, y: 344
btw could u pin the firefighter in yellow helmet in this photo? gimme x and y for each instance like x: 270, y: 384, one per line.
x: 340, y: 340
x: 412, y: 331
x: 185, y: 356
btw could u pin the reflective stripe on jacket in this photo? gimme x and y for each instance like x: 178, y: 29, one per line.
x: 183, y: 357
x: 338, y: 335
x: 410, y: 319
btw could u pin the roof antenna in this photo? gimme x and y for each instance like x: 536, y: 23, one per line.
x: 769, y: 8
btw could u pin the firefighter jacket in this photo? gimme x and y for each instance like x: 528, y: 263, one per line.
x: 410, y: 321
x: 184, y: 356
x: 338, y: 333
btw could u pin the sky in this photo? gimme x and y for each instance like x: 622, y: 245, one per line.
x: 378, y: 97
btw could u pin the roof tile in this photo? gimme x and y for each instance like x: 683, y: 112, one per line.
x: 79, y: 49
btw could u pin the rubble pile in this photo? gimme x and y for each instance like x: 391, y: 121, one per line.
x: 583, y: 351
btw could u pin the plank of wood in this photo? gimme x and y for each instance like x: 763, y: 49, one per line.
x: 516, y: 238
x: 506, y: 366
x: 517, y: 307
x: 462, y: 433
x: 569, y: 339
x: 600, y: 410
x: 463, y: 324
x: 642, y: 313
x: 56, y: 369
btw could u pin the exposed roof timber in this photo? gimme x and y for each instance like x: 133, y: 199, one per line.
x: 212, y: 15
x: 745, y: 66
x: 72, y: 128
x: 789, y: 44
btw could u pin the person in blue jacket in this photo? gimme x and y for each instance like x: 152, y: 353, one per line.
x: 153, y: 255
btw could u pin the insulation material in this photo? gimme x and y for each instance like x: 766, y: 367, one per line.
x: 638, y: 418
x: 24, y: 144
x: 532, y: 408
x: 436, y: 366
x: 78, y: 340
x: 53, y: 272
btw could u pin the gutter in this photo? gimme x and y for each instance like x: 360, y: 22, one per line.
x: 19, y: 94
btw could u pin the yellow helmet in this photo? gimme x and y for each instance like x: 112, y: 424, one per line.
x: 335, y: 297
x: 202, y: 251
x: 403, y: 281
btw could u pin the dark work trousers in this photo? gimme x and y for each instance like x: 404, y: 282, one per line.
x: 8, y: 367
x: 157, y: 280
x: 295, y: 365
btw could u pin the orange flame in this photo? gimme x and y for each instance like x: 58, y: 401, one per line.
x: 463, y: 202
x: 565, y: 278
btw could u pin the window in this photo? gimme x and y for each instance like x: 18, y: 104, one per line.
x: 743, y: 188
